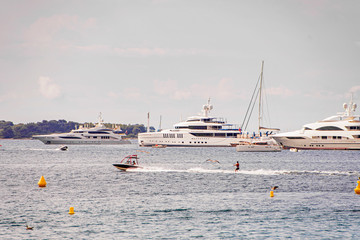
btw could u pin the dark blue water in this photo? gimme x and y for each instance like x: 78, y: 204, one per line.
x: 177, y: 195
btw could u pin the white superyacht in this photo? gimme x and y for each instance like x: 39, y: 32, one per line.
x: 196, y: 131
x: 95, y: 135
x: 339, y: 132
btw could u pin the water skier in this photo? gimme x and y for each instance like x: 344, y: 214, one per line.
x: 237, y: 165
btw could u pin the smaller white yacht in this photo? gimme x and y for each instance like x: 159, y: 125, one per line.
x: 261, y: 142
x: 95, y: 135
x: 339, y: 132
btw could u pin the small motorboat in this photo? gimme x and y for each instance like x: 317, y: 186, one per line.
x: 294, y: 150
x: 129, y: 162
x: 158, y: 146
x: 63, y: 148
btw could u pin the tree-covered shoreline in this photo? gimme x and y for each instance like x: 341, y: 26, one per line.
x: 26, y: 130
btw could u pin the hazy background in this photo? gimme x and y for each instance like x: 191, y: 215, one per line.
x: 73, y: 59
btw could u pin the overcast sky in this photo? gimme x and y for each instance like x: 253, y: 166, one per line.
x: 73, y: 59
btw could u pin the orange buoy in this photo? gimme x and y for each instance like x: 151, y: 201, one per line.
x: 357, y: 189
x: 42, y: 182
x: 271, y: 193
x: 71, y: 211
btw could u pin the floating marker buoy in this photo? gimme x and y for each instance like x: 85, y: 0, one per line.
x: 71, y: 211
x: 357, y: 189
x: 271, y: 193
x: 42, y: 182
x: 29, y: 228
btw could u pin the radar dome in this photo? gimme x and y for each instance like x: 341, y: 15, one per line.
x: 345, y: 106
x: 354, y: 107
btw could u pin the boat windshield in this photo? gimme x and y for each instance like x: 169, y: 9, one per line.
x: 131, y: 160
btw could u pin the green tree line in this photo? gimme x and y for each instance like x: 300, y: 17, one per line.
x: 10, y: 130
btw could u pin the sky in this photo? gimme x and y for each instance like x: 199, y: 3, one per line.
x: 72, y: 60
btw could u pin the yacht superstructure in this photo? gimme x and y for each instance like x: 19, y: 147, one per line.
x: 196, y: 131
x: 339, y: 132
x: 95, y: 135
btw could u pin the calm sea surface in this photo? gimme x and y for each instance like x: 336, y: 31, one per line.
x: 178, y: 194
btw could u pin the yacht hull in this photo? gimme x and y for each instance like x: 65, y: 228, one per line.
x: 52, y: 140
x: 184, y: 140
x: 310, y: 144
x: 257, y: 148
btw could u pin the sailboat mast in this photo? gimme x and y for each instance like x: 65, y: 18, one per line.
x: 260, y: 91
x: 148, y: 122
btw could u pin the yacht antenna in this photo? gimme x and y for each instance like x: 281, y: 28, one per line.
x: 207, y: 108
x: 160, y: 124
x: 101, y: 121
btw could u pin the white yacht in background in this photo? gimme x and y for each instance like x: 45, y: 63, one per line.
x: 196, y: 131
x: 96, y: 135
x: 264, y: 144
x: 339, y: 132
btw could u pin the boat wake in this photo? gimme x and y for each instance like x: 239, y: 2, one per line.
x: 249, y: 172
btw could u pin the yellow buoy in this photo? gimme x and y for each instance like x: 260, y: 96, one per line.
x: 271, y: 193
x: 71, y: 211
x: 42, y: 182
x: 357, y: 189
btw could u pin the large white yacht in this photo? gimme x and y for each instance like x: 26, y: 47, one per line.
x: 196, y: 131
x: 339, y: 132
x: 95, y: 135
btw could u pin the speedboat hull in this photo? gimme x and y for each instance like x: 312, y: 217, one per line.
x: 125, y: 167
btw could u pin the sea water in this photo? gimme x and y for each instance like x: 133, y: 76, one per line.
x: 177, y: 194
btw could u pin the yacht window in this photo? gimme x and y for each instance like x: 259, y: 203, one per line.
x: 219, y: 134
x: 97, y: 132
x: 329, y: 128
x: 356, y: 136
x: 181, y: 127
x: 353, y: 128
x: 69, y: 137
x: 307, y: 128
x: 202, y: 134
x: 323, y: 137
x: 295, y: 137
x: 197, y: 127
x: 215, y: 127
x: 232, y: 134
